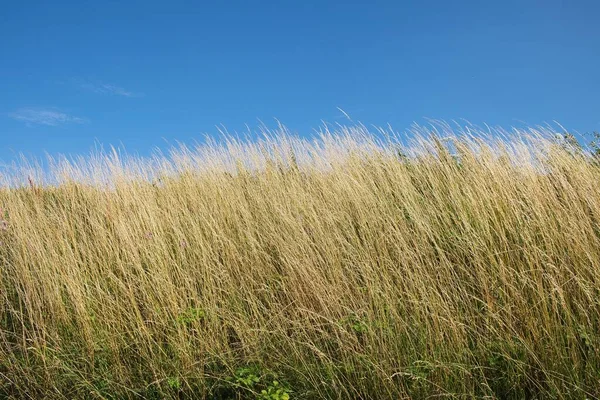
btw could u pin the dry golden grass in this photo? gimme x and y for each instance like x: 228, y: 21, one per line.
x: 339, y: 268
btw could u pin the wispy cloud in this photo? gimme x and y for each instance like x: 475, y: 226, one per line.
x: 45, y: 116
x: 106, y: 88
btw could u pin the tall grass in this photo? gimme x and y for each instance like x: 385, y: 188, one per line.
x: 462, y: 265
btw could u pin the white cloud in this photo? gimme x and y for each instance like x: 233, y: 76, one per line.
x: 105, y: 88
x: 45, y: 116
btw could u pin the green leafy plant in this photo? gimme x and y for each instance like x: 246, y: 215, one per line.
x: 246, y: 377
x: 355, y: 324
x: 275, y: 391
x: 191, y: 315
x: 174, y: 383
x: 252, y: 382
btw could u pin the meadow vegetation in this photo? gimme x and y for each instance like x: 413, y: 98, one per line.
x: 463, y: 264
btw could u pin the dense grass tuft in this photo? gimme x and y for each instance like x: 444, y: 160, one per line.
x: 465, y: 266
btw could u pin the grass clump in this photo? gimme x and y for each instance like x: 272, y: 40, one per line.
x: 463, y: 265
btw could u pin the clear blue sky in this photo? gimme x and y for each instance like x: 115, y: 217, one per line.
x: 73, y: 73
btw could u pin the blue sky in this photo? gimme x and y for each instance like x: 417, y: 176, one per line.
x: 75, y: 73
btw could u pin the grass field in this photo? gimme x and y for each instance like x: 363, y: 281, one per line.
x: 462, y: 265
